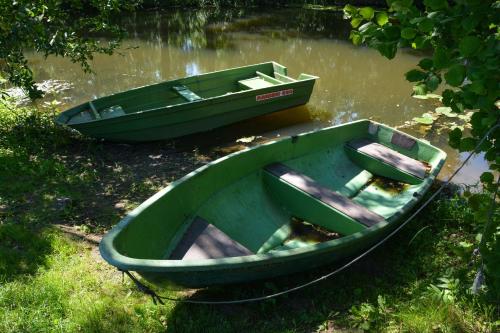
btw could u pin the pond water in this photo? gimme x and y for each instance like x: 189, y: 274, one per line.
x: 355, y: 82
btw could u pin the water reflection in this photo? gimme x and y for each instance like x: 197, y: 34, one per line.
x: 354, y: 83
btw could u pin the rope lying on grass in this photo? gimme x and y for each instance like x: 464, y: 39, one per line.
x: 159, y: 298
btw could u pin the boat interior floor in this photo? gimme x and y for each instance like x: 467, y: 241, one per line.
x: 332, y: 192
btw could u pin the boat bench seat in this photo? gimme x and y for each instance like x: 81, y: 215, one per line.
x: 368, y: 153
x: 184, y: 91
x: 328, y: 197
x: 260, y: 81
x: 203, y: 240
x: 254, y: 83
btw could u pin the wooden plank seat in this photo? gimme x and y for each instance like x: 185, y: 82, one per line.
x: 260, y: 81
x: 254, y: 83
x: 203, y: 240
x: 389, y: 156
x: 186, y: 93
x: 333, y: 199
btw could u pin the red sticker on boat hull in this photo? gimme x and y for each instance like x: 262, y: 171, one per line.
x: 274, y: 94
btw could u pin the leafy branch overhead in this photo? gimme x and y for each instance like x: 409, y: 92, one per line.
x: 461, y: 41
x: 460, y: 44
x: 67, y: 28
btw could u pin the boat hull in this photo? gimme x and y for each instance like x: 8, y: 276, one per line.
x: 239, y: 195
x: 157, y: 122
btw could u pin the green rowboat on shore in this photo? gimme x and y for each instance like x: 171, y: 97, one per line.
x: 189, y: 105
x: 282, y: 207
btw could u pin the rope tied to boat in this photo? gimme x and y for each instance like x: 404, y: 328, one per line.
x: 477, y: 282
x: 145, y: 289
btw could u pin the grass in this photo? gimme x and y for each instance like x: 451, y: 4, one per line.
x: 50, y: 282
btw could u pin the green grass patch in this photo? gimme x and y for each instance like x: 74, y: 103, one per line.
x: 417, y: 282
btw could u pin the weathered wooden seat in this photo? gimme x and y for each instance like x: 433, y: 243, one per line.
x: 260, y: 81
x: 254, y: 83
x: 186, y: 93
x: 389, y: 156
x: 203, y: 240
x: 333, y: 199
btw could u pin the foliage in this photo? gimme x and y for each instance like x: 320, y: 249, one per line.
x: 366, y: 316
x: 67, y: 28
x: 461, y: 39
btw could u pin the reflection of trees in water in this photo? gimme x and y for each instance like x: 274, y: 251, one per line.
x: 212, y: 28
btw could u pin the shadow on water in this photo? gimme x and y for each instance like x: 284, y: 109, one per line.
x: 225, y: 139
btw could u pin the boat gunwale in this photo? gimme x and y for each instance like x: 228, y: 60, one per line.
x: 142, y: 112
x: 115, y: 258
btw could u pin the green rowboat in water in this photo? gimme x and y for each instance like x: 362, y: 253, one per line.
x: 282, y: 207
x: 193, y: 104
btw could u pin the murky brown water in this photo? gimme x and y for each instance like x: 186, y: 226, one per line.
x: 354, y: 82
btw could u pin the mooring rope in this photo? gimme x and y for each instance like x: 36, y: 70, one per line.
x: 159, y: 298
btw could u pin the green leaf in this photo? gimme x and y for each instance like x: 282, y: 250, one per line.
x: 400, y: 5
x: 420, y: 42
x: 487, y: 177
x: 445, y: 110
x: 367, y: 13
x: 448, y: 96
x: 415, y: 75
x: 469, y: 45
x: 491, y: 154
x: 455, y: 75
x: 424, y: 120
x: 425, y: 64
x: 392, y: 32
x: 408, y: 33
x: 350, y: 10
x: 454, y: 137
x: 441, y: 58
x: 469, y: 23
x: 425, y: 25
x: 432, y: 82
x: 436, y: 4
x: 364, y: 28
x: 420, y: 89
x: 428, y: 96
x: 355, y: 37
x: 382, y: 18
x: 475, y: 201
x: 477, y: 87
x: 388, y: 49
x: 355, y: 22
x: 467, y: 144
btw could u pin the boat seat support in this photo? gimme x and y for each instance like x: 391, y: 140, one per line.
x: 94, y: 110
x: 186, y: 93
x: 284, y: 78
x: 268, y: 78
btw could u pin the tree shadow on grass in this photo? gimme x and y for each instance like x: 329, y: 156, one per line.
x: 22, y: 251
x: 55, y: 176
